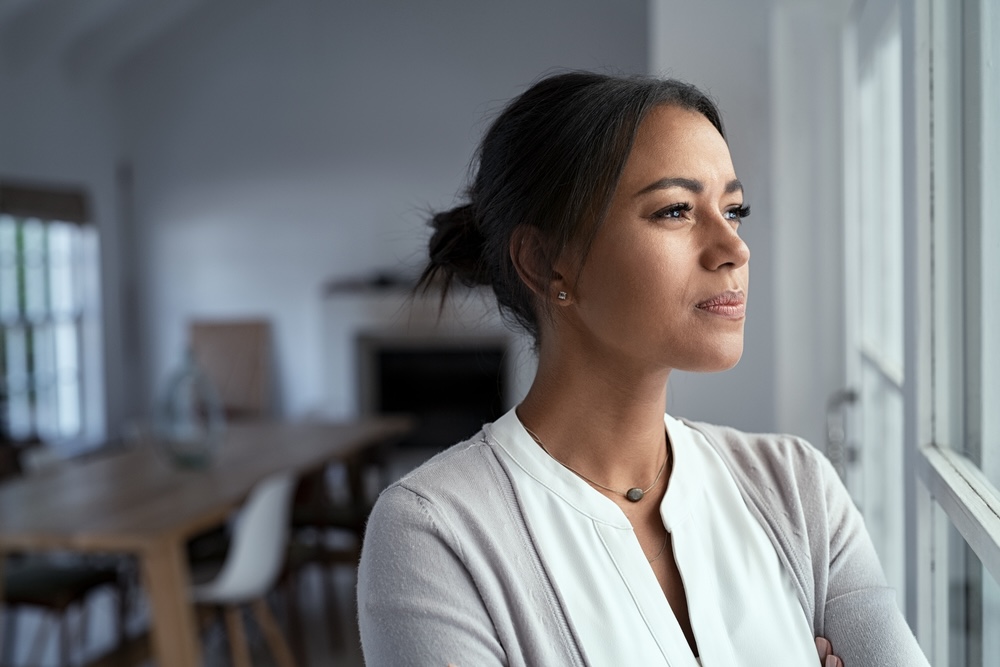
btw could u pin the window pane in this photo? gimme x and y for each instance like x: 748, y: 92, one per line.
x: 881, y: 498
x: 947, y: 236
x: 61, y: 258
x: 881, y: 224
x: 877, y: 333
x: 991, y: 616
x: 34, y: 252
x: 43, y: 380
x: 67, y: 389
x: 18, y: 417
x: 972, y: 607
x: 989, y: 234
x: 8, y: 268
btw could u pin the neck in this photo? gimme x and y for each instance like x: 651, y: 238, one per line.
x: 601, y: 419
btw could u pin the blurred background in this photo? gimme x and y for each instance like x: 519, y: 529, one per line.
x: 240, y: 156
x: 165, y: 164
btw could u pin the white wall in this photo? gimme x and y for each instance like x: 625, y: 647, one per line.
x: 300, y: 142
x: 61, y: 132
x: 722, y: 46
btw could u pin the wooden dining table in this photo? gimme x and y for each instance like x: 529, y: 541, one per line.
x: 135, y: 502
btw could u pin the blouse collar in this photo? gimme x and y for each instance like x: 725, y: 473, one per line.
x: 509, y: 434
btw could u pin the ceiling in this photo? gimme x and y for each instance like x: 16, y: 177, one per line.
x: 93, y: 38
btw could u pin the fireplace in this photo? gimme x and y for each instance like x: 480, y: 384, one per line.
x: 451, y: 385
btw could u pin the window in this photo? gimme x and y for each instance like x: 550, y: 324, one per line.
x: 921, y: 107
x: 48, y: 265
x: 874, y: 229
x: 958, y: 451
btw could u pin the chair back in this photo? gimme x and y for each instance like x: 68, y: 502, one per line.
x: 236, y: 357
x: 257, y: 552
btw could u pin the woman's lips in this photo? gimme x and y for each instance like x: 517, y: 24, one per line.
x: 727, y: 304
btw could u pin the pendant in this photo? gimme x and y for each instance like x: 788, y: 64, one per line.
x: 635, y: 495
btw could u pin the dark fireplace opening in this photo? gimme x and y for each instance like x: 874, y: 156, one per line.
x: 451, y: 387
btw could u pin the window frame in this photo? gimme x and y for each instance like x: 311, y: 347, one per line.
x: 943, y: 478
x: 945, y: 343
x: 953, y: 477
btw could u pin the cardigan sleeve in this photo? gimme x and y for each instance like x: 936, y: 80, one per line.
x: 861, y: 617
x: 417, y: 603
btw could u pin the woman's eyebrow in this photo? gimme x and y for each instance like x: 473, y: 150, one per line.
x: 691, y: 184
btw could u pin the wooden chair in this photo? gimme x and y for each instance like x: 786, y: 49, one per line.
x: 236, y: 357
x: 318, y: 514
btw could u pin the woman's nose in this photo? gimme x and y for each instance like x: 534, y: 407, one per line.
x: 723, y: 246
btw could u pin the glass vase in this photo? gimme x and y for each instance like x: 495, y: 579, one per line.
x: 191, y: 422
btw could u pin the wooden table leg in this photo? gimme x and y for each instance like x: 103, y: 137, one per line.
x: 239, y: 650
x: 175, y: 635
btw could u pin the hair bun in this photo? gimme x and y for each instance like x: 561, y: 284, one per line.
x: 456, y: 247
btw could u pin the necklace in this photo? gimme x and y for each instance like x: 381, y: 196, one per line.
x: 634, y: 494
x: 660, y: 552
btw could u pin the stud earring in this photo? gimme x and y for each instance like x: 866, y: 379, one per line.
x: 561, y: 296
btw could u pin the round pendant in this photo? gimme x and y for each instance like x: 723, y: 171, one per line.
x: 635, y: 495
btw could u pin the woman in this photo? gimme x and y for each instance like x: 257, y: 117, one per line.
x: 584, y: 527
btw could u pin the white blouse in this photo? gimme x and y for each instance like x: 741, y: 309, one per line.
x: 742, y: 605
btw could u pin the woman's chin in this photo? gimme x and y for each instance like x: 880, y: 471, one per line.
x: 720, y: 360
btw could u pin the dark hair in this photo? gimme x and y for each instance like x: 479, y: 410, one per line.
x: 552, y: 160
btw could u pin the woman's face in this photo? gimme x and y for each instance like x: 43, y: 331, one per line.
x: 664, y: 284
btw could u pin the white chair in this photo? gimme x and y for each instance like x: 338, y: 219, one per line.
x: 252, y: 567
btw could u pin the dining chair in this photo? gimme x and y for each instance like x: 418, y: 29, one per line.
x: 252, y: 567
x: 326, y: 534
x: 329, y: 513
x: 55, y: 584
x: 56, y: 588
x: 236, y: 356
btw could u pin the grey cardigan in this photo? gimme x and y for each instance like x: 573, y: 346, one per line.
x: 450, y: 573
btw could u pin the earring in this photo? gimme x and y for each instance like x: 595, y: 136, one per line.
x: 561, y: 296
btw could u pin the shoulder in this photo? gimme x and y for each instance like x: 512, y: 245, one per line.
x: 459, y: 474
x: 450, y: 495
x: 789, y: 483
x: 441, y: 511
x: 771, y: 463
x: 447, y: 558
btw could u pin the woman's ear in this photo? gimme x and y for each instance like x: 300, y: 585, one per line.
x: 533, y: 261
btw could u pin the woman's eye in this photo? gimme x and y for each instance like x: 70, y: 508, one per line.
x: 738, y: 213
x: 674, y: 211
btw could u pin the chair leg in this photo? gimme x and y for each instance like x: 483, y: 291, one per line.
x: 336, y: 622
x: 9, y: 635
x: 123, y: 605
x: 272, y: 633
x: 38, y: 646
x: 295, y: 627
x: 64, y: 639
x: 83, y: 630
x: 238, y: 648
